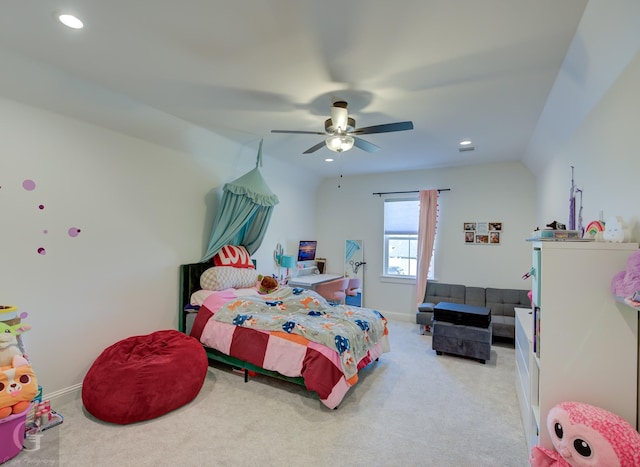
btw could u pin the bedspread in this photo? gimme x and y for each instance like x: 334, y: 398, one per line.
x: 296, y: 333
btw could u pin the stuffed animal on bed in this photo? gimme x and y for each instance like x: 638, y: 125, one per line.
x: 267, y: 284
x: 585, y: 435
x: 18, y: 387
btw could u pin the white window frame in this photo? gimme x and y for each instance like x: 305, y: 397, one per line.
x: 412, y: 237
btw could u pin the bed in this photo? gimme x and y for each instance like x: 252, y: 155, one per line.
x: 291, y: 334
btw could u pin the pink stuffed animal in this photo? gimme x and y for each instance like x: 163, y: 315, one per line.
x: 625, y: 283
x: 584, y: 435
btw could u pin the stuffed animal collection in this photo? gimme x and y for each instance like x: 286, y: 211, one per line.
x: 585, y: 435
x: 18, y: 383
x: 626, y: 282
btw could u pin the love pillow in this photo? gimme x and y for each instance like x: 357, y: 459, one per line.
x: 234, y: 256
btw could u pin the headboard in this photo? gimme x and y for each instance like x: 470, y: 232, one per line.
x: 189, y: 283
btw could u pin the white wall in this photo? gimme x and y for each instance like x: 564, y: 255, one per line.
x: 142, y: 210
x: 591, y: 120
x: 503, y: 192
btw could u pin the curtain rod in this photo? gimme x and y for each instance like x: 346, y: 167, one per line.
x: 402, y: 192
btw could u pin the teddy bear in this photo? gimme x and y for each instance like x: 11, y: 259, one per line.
x: 267, y: 284
x: 585, y: 435
x: 625, y: 283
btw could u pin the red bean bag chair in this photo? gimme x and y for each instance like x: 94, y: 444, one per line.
x: 143, y: 377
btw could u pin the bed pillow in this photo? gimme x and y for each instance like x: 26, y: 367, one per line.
x: 236, y: 256
x: 227, y: 277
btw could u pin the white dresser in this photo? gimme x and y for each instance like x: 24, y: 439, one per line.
x: 525, y: 365
x: 587, y: 341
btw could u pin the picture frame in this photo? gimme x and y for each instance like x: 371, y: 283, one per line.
x: 482, y: 233
x: 321, y: 264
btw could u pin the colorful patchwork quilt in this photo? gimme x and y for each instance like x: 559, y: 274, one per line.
x: 295, y: 332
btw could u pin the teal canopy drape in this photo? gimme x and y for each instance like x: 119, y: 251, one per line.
x: 244, y: 213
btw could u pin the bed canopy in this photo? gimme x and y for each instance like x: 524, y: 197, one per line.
x: 244, y: 213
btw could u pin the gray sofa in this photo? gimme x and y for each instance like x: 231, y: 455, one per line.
x: 501, y: 301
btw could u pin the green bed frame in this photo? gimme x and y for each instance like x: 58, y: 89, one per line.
x: 189, y: 283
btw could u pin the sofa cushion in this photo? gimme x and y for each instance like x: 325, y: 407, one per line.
x: 475, y: 296
x: 438, y: 292
x: 503, y: 301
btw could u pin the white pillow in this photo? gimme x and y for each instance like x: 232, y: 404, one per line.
x: 227, y: 277
x: 198, y: 297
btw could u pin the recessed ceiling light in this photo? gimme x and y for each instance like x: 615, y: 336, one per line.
x: 465, y: 142
x: 70, y: 21
x: 328, y: 159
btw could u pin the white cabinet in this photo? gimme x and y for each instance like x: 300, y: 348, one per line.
x: 526, y: 373
x: 587, y: 342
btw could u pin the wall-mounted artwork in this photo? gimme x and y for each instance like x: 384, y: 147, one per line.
x: 482, y: 233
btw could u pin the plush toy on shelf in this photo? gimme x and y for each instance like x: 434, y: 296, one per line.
x: 585, y: 435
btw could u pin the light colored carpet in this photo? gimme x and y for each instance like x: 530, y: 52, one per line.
x: 412, y: 408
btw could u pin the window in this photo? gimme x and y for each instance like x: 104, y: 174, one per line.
x: 401, y: 238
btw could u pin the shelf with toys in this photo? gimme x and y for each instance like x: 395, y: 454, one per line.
x: 22, y: 409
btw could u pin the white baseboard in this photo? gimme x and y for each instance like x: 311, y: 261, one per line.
x: 64, y: 395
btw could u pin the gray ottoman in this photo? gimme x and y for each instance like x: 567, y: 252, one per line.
x: 467, y: 341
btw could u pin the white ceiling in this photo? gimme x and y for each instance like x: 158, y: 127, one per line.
x: 163, y: 70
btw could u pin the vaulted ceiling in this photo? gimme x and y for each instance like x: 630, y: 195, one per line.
x: 167, y: 71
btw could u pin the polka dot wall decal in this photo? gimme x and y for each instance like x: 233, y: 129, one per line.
x: 42, y: 251
x: 45, y: 231
x: 29, y: 185
x: 41, y: 207
x: 74, y: 232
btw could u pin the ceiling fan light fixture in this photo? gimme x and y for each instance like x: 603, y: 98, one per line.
x: 339, y: 143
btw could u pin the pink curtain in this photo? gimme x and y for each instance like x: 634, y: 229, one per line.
x: 426, y: 236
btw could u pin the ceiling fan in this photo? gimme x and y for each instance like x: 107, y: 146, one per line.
x: 341, y: 130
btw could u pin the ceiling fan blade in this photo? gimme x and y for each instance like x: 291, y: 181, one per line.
x: 365, y: 145
x: 299, y: 132
x: 386, y: 128
x: 315, y: 148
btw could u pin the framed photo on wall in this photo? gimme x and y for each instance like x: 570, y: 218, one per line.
x: 482, y: 233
